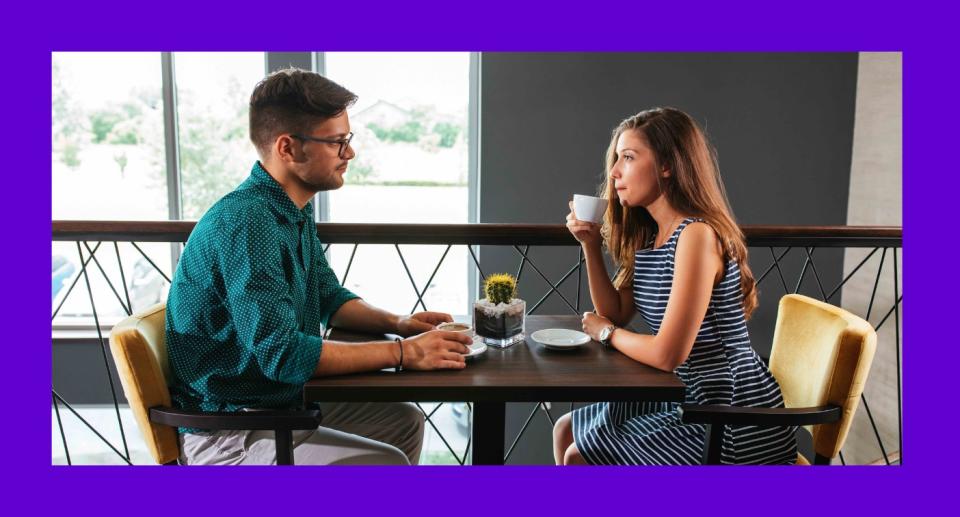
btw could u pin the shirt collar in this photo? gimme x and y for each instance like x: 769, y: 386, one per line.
x: 262, y: 181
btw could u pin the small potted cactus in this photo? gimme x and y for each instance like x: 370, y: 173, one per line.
x: 498, y: 318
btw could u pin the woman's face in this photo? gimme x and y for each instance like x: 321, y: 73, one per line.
x: 634, y: 174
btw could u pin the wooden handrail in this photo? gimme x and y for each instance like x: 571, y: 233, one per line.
x: 486, y: 234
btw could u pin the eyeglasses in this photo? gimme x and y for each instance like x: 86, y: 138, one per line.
x: 342, y: 142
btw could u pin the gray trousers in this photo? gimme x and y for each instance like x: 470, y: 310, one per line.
x: 356, y: 433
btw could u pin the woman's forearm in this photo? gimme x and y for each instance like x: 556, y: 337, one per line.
x: 643, y: 348
x: 605, y: 298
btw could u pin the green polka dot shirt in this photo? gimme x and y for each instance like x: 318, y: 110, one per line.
x: 248, y: 303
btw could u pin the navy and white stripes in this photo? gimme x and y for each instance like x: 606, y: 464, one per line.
x: 722, y: 369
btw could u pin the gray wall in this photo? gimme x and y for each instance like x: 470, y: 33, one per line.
x: 782, y: 125
x: 79, y: 375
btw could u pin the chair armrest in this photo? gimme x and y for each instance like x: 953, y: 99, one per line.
x: 267, y: 420
x: 756, y: 416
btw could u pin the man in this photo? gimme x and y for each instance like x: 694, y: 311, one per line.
x: 253, y: 292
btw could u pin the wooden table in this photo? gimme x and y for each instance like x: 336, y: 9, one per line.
x: 525, y: 372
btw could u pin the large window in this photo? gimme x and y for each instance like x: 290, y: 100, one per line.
x: 411, y: 126
x: 213, y: 98
x: 112, y: 161
x: 412, y: 166
x: 108, y: 148
x: 108, y: 164
x: 110, y: 156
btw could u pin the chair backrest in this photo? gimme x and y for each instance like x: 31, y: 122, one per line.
x: 139, y: 348
x: 821, y: 355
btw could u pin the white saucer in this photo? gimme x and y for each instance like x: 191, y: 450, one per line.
x: 477, y: 348
x: 560, y: 339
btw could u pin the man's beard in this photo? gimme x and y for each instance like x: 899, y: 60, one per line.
x: 330, y: 182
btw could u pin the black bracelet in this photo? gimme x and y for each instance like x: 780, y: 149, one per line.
x: 399, y: 367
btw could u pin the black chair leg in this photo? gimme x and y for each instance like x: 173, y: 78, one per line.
x: 284, y: 440
x: 712, y: 444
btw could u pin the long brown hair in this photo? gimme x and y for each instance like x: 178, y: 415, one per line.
x: 693, y: 187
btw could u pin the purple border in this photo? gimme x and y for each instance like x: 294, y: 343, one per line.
x: 928, y: 71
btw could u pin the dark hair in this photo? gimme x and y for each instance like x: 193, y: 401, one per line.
x: 292, y: 101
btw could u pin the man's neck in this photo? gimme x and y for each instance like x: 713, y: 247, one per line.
x: 289, y: 183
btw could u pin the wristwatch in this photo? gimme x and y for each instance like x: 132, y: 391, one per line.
x: 605, y: 334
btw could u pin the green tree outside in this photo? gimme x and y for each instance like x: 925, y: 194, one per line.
x: 448, y: 133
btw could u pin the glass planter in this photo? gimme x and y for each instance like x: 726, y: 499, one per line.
x: 499, y: 325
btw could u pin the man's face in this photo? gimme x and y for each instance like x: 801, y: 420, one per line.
x: 322, y: 164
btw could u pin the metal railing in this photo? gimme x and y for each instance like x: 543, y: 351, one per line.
x: 781, y: 243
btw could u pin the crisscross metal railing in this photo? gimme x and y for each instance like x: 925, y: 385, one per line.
x: 881, y: 239
x: 779, y: 241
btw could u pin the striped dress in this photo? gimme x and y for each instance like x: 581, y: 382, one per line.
x: 722, y: 368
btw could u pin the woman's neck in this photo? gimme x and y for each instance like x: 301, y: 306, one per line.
x: 665, y: 215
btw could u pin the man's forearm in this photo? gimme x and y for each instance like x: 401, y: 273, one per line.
x: 338, y: 358
x: 357, y: 314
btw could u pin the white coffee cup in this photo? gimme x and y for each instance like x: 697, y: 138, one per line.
x: 459, y: 328
x: 589, y: 208
x: 453, y: 326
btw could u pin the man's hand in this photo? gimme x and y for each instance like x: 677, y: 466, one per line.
x: 435, y: 350
x: 420, y: 322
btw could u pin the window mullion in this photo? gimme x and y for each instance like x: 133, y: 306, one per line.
x: 172, y: 147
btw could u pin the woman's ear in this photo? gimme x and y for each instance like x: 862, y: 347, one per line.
x: 665, y: 173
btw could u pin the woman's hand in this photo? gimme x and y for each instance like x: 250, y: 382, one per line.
x: 593, y: 324
x: 586, y: 233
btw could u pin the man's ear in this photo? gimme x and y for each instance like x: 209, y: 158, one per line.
x: 285, y: 148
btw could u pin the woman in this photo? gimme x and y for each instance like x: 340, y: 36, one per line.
x: 684, y: 269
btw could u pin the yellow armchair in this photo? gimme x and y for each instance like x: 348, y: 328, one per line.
x: 138, y: 345
x: 821, y: 357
